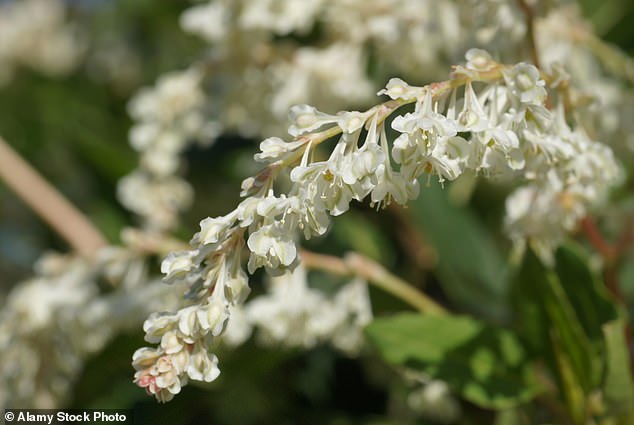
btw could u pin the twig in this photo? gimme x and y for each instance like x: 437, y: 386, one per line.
x: 530, y: 28
x: 612, y: 255
x: 597, y: 240
x: 374, y: 273
x: 417, y: 248
x: 70, y: 223
x: 608, y: 252
x: 627, y: 238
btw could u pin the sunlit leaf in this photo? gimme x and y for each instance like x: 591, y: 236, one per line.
x: 484, y: 364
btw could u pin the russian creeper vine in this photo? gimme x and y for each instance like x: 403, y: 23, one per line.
x: 489, y: 118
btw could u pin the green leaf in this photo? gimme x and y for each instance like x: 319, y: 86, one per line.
x: 561, y: 313
x: 527, y: 300
x: 588, y: 296
x: 486, y: 365
x: 471, y: 268
x: 618, y: 389
x: 569, y: 379
x: 550, y: 320
x: 567, y: 334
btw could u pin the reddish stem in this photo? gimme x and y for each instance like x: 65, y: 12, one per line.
x: 530, y: 28
x: 597, y: 240
x: 612, y: 254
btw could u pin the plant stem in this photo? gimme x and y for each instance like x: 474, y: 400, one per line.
x: 359, y: 265
x: 530, y: 31
x: 597, y: 240
x: 416, y: 247
x: 608, y: 252
x: 70, y: 223
x: 612, y: 255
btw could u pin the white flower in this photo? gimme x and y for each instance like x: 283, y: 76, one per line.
x: 399, y: 89
x: 525, y: 83
x: 479, y: 60
x: 279, y: 16
x: 158, y: 201
x: 143, y: 134
x: 306, y: 118
x: 271, y: 246
x: 275, y: 148
x: 175, y: 95
x: 472, y: 117
x: 238, y: 329
x: 272, y: 206
x: 157, y: 374
x: 203, y: 366
x: 37, y: 34
x: 292, y: 314
x: 247, y: 211
x: 448, y: 158
x: 434, y: 401
x: 350, y: 122
x: 178, y: 264
x: 426, y: 119
x: 214, y: 230
x: 210, y: 21
x: 187, y: 324
x: 332, y: 77
x: 171, y: 343
x: 311, y: 213
x: 391, y: 185
x: 212, y: 316
x: 157, y: 325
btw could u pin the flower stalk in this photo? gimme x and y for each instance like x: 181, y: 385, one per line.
x: 359, y: 265
x: 47, y: 202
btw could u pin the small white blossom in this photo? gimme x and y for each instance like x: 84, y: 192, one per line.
x: 271, y: 246
x: 38, y: 35
x: 292, y: 314
x: 305, y: 119
x: 279, y: 16
x: 479, y: 60
x: 214, y: 230
x: 399, y: 89
x: 525, y: 83
x: 210, y: 21
x: 178, y: 264
x: 202, y: 366
x: 275, y: 148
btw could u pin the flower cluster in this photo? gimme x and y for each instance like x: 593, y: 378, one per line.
x: 185, y: 336
x: 294, y: 315
x: 249, y: 42
x: 169, y: 116
x: 35, y: 33
x: 489, y: 118
x: 52, y: 323
x: 248, y: 45
x: 431, y: 398
x: 256, y: 72
x: 601, y: 73
x: 556, y: 198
